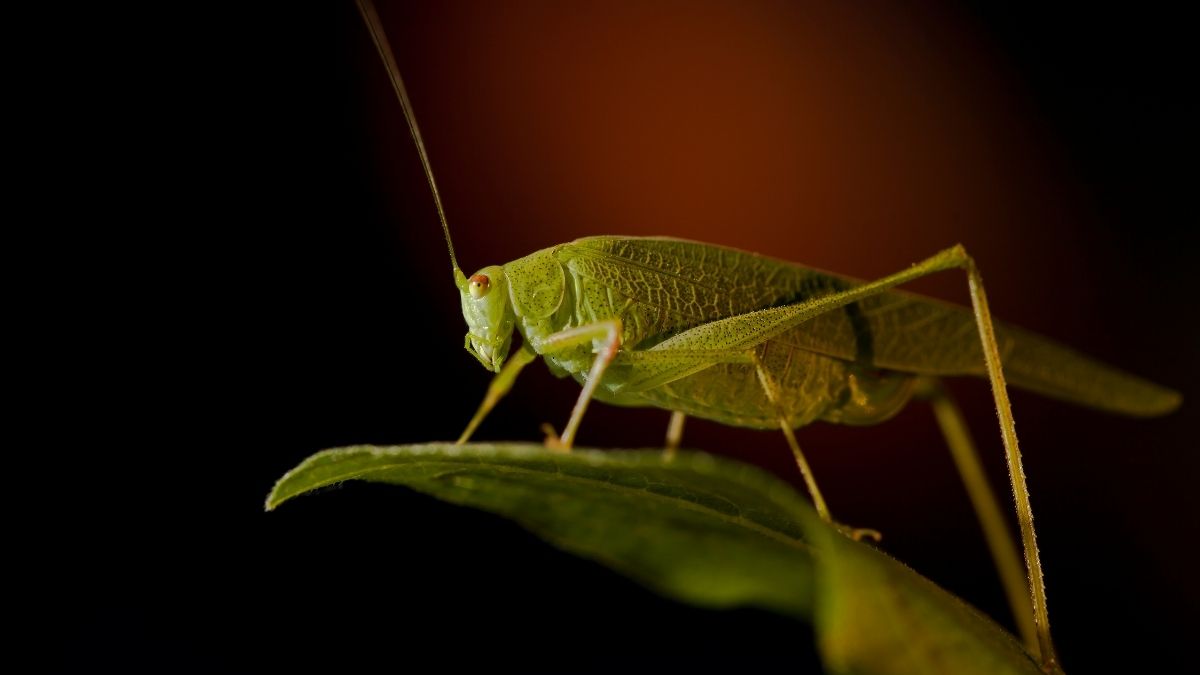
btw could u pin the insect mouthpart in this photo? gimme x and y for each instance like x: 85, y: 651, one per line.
x: 491, y: 353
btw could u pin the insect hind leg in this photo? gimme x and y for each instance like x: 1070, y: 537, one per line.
x: 987, y: 506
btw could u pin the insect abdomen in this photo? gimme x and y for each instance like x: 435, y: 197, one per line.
x: 813, y: 385
x: 730, y: 393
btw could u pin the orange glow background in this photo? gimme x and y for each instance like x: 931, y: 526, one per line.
x: 852, y: 138
x: 1056, y: 145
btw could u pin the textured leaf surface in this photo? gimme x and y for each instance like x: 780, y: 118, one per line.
x: 708, y: 531
x: 875, y: 615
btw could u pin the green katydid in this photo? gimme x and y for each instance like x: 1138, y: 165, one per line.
x: 751, y: 341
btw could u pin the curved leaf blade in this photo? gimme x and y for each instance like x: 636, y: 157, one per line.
x: 707, y: 531
x: 710, y: 532
x: 875, y: 615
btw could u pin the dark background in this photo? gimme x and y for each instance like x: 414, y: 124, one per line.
x: 281, y: 287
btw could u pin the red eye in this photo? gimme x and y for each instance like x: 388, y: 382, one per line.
x: 479, y: 285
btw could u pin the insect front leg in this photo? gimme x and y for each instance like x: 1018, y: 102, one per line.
x: 501, y: 383
x: 609, y: 333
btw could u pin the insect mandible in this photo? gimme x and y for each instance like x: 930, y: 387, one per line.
x: 751, y: 341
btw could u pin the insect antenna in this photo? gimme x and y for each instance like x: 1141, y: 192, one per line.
x: 375, y: 26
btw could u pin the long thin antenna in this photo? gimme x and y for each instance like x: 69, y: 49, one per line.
x: 375, y: 26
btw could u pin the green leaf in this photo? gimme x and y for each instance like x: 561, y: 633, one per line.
x: 710, y: 532
x: 876, y: 615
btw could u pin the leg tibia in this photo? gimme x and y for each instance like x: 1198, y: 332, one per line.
x: 609, y: 333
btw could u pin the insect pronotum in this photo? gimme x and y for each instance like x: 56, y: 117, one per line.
x: 751, y: 341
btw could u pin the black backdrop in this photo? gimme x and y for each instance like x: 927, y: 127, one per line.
x: 284, y: 290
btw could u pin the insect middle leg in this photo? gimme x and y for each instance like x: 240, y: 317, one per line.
x: 609, y: 333
x: 674, y: 434
x: 771, y: 388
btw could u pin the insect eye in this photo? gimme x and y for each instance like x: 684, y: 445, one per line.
x: 479, y: 286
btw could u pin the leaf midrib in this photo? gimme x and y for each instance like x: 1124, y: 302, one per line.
x: 741, y: 521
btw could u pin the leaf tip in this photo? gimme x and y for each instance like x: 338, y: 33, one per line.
x: 275, y: 497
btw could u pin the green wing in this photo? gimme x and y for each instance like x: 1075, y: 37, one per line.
x: 693, y: 283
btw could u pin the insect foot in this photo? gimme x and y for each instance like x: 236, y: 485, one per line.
x: 553, y: 441
x: 859, y: 533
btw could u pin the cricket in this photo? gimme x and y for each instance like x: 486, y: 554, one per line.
x: 747, y: 340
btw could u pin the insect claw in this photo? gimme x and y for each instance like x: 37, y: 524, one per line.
x: 553, y: 442
x: 859, y: 533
